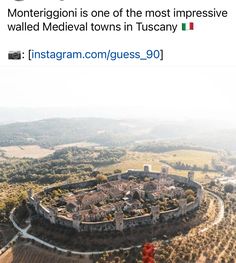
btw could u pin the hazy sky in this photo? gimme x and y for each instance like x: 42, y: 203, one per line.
x: 169, y: 92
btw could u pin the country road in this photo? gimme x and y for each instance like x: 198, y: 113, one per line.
x: 24, y: 231
x: 219, y: 216
x: 24, y: 234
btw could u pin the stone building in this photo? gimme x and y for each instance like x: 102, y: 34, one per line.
x: 164, y: 171
x: 190, y: 176
x: 147, y: 168
x: 111, y: 189
x: 93, y: 198
x: 52, y: 214
x: 77, y: 222
x: 183, y: 206
x: 89, y: 209
x: 150, y: 186
x: 155, y: 212
x: 119, y: 220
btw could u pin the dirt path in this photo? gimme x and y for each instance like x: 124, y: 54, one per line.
x: 220, y: 214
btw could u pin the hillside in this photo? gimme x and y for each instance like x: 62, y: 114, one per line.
x: 111, y: 132
x: 60, y: 166
x: 51, y: 132
x: 22, y: 252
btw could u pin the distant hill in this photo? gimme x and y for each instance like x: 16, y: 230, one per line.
x: 59, y: 165
x: 214, y: 135
x: 51, y: 132
x: 219, y: 139
x: 110, y: 132
x: 162, y: 147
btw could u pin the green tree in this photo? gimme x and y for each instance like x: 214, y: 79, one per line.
x: 101, y: 178
x: 189, y: 192
x: 229, y: 188
x: 190, y: 198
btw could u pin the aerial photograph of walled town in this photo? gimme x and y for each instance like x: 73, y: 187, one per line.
x: 117, y: 190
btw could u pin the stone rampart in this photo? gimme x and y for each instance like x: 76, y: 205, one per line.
x: 123, y: 223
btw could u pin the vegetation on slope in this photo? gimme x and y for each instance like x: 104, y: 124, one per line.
x: 59, y: 166
x: 51, y: 132
x: 162, y: 147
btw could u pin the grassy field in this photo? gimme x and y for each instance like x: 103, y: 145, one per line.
x: 136, y: 160
x: 133, y: 160
x: 35, y: 151
x: 78, y: 144
x: 199, y: 158
x: 29, y: 151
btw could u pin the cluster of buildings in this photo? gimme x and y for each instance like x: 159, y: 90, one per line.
x: 126, y: 201
x: 128, y: 196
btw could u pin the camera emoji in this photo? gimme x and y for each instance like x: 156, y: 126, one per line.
x: 14, y: 55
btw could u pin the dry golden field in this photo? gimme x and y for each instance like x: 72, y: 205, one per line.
x: 29, y: 151
x: 35, y: 151
x: 199, y: 158
x: 136, y: 160
x: 78, y: 144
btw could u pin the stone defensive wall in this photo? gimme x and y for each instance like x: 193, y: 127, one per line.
x: 120, y: 223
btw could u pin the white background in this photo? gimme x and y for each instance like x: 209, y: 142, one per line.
x: 196, y: 79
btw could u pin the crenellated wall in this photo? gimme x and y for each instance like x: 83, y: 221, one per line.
x: 120, y: 223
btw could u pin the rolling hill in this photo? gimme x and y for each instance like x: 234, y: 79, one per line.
x: 111, y: 132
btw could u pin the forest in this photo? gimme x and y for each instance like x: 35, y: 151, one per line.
x: 161, y: 147
x: 59, y: 166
